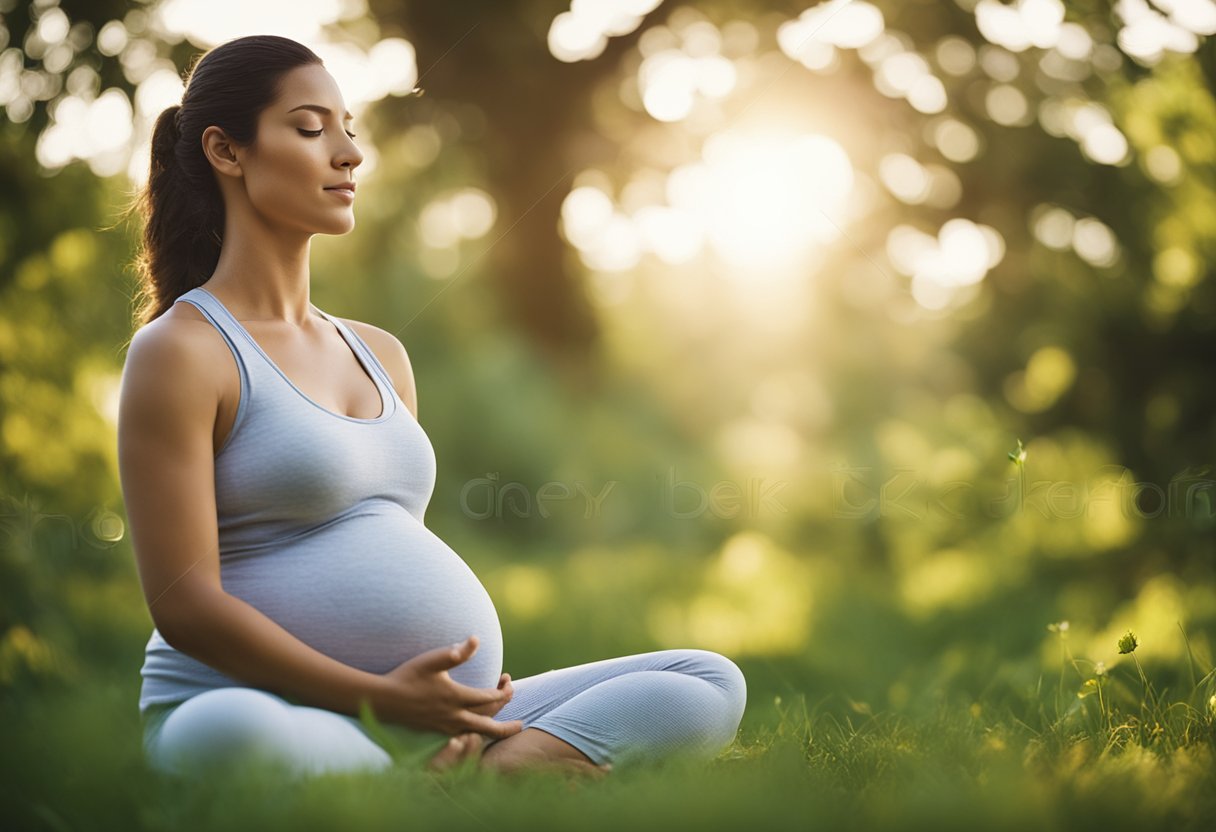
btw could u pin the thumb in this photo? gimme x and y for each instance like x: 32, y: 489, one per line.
x: 455, y: 654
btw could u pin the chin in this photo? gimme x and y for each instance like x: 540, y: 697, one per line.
x: 339, y: 228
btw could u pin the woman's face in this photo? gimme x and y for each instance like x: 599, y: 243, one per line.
x: 299, y: 152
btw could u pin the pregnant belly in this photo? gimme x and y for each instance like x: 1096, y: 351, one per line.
x: 372, y: 590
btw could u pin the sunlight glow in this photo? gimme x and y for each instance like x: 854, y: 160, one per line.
x: 1147, y: 34
x: 102, y: 128
x: 903, y: 73
x: 955, y: 55
x: 1094, y: 242
x: 527, y: 591
x: 904, y: 177
x: 1091, y: 239
x: 467, y: 213
x: 947, y: 579
x: 1163, y: 164
x: 771, y: 445
x: 1006, y: 105
x: 955, y: 140
x: 756, y: 200
x: 1022, y: 25
x: 669, y: 82
x: 1090, y: 125
x: 1162, y: 601
x: 763, y: 199
x: 581, y: 33
x: 756, y: 599
x: 98, y: 131
x: 814, y: 36
x: 673, y: 235
x: 958, y: 257
x: 215, y: 21
x: 1048, y: 375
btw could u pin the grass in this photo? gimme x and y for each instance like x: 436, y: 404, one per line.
x: 1094, y: 748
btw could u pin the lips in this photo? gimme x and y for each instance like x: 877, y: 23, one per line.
x: 345, y: 186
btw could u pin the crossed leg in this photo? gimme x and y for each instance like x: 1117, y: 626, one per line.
x: 239, y: 725
x: 646, y: 706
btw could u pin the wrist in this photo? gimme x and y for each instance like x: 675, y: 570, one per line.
x: 378, y: 694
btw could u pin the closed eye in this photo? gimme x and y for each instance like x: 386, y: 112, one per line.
x: 314, y: 133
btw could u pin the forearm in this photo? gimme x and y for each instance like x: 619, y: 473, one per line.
x: 238, y: 640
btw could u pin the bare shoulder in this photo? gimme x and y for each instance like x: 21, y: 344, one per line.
x: 392, y: 354
x: 179, y: 345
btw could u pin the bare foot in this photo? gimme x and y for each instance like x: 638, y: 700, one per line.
x: 459, y: 748
x: 578, y: 768
x: 538, y: 750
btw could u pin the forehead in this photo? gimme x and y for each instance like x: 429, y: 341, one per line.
x: 310, y: 88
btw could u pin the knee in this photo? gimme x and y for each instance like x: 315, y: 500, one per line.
x: 727, y: 677
x: 736, y: 687
x: 224, y: 726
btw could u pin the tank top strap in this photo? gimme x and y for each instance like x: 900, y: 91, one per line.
x: 247, y: 357
x: 369, y: 357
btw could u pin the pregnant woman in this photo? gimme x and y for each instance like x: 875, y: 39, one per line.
x: 276, y: 479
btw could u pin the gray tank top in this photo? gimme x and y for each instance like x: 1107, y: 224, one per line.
x: 320, y: 520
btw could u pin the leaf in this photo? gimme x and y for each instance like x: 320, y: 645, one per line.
x: 403, y: 744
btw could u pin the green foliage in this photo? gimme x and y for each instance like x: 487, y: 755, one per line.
x: 913, y: 626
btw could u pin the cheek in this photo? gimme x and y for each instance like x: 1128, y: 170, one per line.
x: 294, y: 167
x: 284, y: 179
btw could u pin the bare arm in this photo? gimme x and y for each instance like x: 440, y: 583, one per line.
x: 169, y: 399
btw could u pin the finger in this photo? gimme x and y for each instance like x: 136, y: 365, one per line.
x: 448, y: 754
x: 473, y: 745
x: 441, y: 658
x: 486, y: 710
x: 492, y: 727
x: 472, y: 697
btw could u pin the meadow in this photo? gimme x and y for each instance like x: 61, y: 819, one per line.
x: 869, y: 344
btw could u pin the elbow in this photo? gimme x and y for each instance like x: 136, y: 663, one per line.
x: 182, y: 626
x: 171, y: 633
x: 174, y: 631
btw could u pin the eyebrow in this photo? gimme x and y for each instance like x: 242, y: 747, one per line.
x: 318, y: 108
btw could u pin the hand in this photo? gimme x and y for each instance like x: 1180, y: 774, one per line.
x: 458, y: 749
x: 422, y: 695
x: 491, y: 708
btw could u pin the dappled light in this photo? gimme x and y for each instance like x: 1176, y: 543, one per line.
x: 865, y: 343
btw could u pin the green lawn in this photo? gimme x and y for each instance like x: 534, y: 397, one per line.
x: 1132, y: 758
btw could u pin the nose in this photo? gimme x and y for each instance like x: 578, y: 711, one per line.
x: 351, y: 157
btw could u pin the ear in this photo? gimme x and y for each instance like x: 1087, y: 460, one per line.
x: 221, y: 152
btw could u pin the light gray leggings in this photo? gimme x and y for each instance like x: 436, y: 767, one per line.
x: 641, y: 707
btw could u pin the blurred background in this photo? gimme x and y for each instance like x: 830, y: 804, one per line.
x: 858, y: 341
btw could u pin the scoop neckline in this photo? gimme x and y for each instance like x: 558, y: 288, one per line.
x: 388, y: 405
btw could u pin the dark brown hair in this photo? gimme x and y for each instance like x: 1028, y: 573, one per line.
x: 181, y: 205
